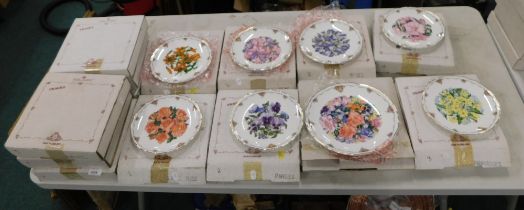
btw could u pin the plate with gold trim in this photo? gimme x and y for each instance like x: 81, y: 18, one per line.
x: 266, y: 120
x: 351, y: 119
x: 166, y: 124
x: 180, y: 59
x: 460, y: 105
x: 261, y: 48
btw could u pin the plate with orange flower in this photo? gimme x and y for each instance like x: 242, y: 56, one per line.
x: 166, y: 124
x: 351, y: 119
x: 180, y: 59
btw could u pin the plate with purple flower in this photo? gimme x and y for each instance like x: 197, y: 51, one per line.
x: 331, y: 41
x: 261, y: 49
x: 351, y: 119
x: 413, y: 28
x: 266, y: 120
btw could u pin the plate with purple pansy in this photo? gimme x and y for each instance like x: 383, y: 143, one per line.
x: 266, y: 120
x: 260, y: 48
x: 331, y: 41
x: 351, y: 119
x: 413, y: 28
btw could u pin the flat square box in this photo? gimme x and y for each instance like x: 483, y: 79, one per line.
x: 234, y: 77
x: 433, y: 146
x: 49, y: 172
x: 72, y: 116
x: 151, y: 86
x: 187, y: 166
x: 362, y: 66
x: 390, y: 59
x: 228, y: 161
x: 510, y: 16
x: 316, y: 158
x: 105, y: 45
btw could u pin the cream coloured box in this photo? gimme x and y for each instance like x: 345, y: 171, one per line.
x: 391, y: 59
x: 185, y: 167
x: 72, y: 116
x: 316, y: 158
x: 362, y: 66
x: 228, y: 161
x: 433, y: 146
x: 233, y: 77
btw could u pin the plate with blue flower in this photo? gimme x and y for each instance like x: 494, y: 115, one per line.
x: 331, y: 41
x: 351, y: 119
x: 266, y: 120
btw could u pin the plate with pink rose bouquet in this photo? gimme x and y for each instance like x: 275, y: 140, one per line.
x: 351, y: 119
x: 166, y: 124
x: 266, y: 120
x: 261, y: 48
x: 413, y: 28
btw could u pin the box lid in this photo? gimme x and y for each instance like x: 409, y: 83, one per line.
x: 67, y: 112
x: 104, y: 43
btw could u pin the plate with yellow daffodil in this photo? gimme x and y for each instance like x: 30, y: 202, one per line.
x: 180, y: 59
x: 461, y: 105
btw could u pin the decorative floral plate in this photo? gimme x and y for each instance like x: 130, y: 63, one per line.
x: 266, y: 120
x: 180, y: 59
x: 261, y: 49
x: 166, y: 124
x: 461, y: 105
x: 351, y: 119
x: 413, y: 28
x: 331, y: 41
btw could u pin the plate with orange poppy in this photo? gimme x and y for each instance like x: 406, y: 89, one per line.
x: 166, y: 124
x: 180, y: 59
x: 351, y: 119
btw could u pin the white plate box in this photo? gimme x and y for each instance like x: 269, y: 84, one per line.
x: 390, y: 59
x: 433, y: 146
x: 228, y: 161
x: 511, y: 20
x: 362, y: 66
x: 234, y: 77
x: 316, y: 158
x: 48, y: 171
x: 72, y: 116
x: 200, y: 85
x: 106, y: 45
x: 187, y: 166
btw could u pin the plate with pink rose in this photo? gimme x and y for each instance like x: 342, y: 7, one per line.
x: 351, y: 119
x: 413, y: 28
x: 261, y: 48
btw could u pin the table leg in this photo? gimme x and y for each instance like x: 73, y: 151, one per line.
x: 512, y: 201
x: 443, y: 202
x: 141, y: 201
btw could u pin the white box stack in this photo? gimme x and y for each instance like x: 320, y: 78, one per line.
x: 72, y: 121
x: 510, y: 16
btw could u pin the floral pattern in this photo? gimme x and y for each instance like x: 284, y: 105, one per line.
x: 183, y: 59
x: 167, y: 124
x: 412, y: 28
x: 349, y: 119
x: 331, y: 43
x: 262, y: 49
x: 266, y: 121
x: 458, y: 106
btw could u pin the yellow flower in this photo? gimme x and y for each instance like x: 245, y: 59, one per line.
x: 463, y: 113
x: 452, y: 119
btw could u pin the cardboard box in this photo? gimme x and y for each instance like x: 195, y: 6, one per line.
x: 511, y: 20
x: 72, y: 116
x: 228, y: 161
x: 234, y: 77
x: 391, y: 59
x: 184, y: 167
x: 514, y: 57
x: 362, y: 66
x: 106, y: 45
x: 433, y: 146
x: 204, y: 84
x: 316, y: 158
x: 50, y: 172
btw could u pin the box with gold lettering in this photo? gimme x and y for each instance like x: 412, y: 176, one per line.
x: 228, y: 161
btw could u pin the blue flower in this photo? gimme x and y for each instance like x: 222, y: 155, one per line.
x: 275, y: 107
x: 331, y: 43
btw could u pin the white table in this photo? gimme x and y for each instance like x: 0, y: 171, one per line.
x: 475, y: 53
